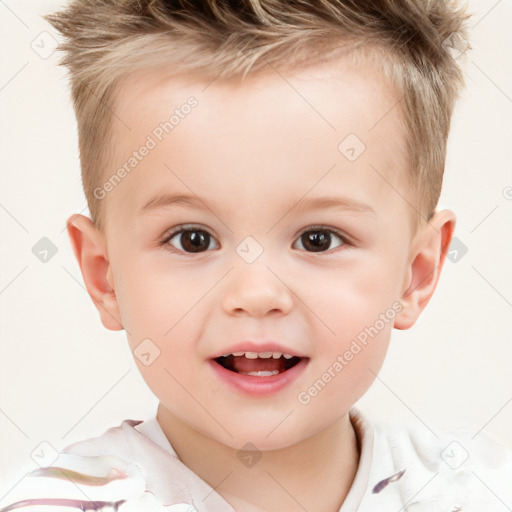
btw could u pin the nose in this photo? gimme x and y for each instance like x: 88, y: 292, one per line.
x: 256, y: 290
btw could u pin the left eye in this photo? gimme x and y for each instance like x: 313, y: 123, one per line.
x: 319, y: 240
x: 192, y: 240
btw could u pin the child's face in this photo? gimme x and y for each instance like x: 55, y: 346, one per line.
x: 254, y: 161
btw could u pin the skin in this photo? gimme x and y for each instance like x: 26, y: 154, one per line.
x: 251, y: 151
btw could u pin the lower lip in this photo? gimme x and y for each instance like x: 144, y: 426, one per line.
x: 253, y: 385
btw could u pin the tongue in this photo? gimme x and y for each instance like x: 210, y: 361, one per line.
x: 243, y: 365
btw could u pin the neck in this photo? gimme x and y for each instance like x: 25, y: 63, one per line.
x: 315, y: 474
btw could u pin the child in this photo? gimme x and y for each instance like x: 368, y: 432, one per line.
x: 263, y: 178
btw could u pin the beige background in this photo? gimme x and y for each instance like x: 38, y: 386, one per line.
x: 63, y: 377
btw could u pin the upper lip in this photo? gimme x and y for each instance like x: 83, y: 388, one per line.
x: 254, y: 346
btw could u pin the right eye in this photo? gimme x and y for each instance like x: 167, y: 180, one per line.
x: 191, y: 240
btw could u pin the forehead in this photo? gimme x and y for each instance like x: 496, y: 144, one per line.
x: 274, y: 133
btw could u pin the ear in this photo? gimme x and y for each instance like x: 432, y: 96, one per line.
x: 426, y: 263
x: 91, y: 253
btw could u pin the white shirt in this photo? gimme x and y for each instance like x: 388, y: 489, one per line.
x: 400, y: 469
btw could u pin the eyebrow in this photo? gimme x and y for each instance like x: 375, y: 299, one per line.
x: 324, y: 202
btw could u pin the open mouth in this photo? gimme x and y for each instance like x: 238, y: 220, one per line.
x: 264, y: 364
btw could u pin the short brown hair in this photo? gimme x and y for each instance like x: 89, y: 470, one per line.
x: 104, y: 40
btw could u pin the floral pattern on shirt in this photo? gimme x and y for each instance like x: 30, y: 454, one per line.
x: 92, y: 483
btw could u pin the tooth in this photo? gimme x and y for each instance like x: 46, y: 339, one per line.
x: 225, y: 355
x: 237, y: 354
x: 265, y: 355
x: 261, y: 373
x: 251, y: 355
x: 277, y: 355
x: 287, y: 356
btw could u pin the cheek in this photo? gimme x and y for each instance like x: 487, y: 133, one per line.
x: 347, y: 365
x: 353, y: 297
x: 153, y: 300
x: 359, y: 309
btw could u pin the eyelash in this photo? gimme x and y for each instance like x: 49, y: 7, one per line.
x: 183, y: 229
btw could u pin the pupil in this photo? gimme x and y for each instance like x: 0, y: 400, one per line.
x: 317, y: 240
x: 193, y: 241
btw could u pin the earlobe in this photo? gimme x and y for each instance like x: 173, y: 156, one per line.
x: 425, y: 267
x: 90, y: 251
